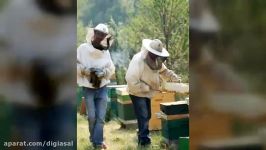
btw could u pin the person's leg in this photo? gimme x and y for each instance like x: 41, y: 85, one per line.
x: 136, y: 110
x: 101, y: 106
x: 148, y: 104
x: 142, y: 111
x: 89, y: 95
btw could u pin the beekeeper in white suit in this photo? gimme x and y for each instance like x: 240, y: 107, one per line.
x: 94, y: 70
x: 143, y: 80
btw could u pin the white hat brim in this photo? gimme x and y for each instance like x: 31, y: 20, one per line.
x: 146, y: 44
x: 100, y: 31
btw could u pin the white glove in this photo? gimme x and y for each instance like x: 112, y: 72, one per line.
x: 175, y: 78
x: 100, y: 73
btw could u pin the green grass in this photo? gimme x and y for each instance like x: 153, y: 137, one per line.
x: 115, y: 137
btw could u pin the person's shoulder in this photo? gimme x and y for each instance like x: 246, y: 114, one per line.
x: 84, y: 46
x: 137, y: 56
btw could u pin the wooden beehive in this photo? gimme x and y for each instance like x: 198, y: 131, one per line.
x: 124, y: 105
x: 183, y: 143
x: 174, y: 108
x: 175, y: 120
x: 112, y: 95
x: 155, y: 121
x: 175, y: 126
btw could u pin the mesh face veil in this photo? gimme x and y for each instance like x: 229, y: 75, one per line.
x: 154, y: 61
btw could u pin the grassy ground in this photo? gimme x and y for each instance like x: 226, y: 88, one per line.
x: 115, y: 137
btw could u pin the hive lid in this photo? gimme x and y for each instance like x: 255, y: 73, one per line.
x: 122, y: 91
x: 174, y: 103
x: 176, y: 87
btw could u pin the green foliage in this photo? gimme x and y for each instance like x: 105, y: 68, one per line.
x: 101, y: 11
x: 166, y: 20
x: 132, y: 21
x: 2, y: 4
x: 81, y: 33
x: 120, y: 75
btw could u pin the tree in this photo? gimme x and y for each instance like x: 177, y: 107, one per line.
x: 101, y: 11
x: 166, y: 20
x: 132, y: 21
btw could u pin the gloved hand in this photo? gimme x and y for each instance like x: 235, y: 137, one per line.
x: 100, y: 73
x: 85, y: 71
x: 94, y: 69
x: 175, y: 78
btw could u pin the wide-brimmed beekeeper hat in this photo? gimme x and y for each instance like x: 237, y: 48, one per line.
x: 100, y: 27
x: 155, y: 46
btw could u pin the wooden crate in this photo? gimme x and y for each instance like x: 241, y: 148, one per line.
x: 183, y: 143
x: 124, y: 105
x: 112, y: 96
x: 112, y: 90
x: 176, y: 87
x: 113, y: 107
x: 121, y: 91
x: 155, y: 122
x: 174, y: 128
x: 125, y: 110
x: 174, y: 108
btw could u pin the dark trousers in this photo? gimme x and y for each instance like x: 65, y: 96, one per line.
x: 142, y: 108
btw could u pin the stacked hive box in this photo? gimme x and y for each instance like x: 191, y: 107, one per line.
x: 125, y: 108
x: 183, y: 143
x: 112, y: 96
x: 155, y: 122
x: 175, y: 120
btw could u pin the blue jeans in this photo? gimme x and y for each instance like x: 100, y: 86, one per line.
x: 96, y: 104
x: 142, y: 107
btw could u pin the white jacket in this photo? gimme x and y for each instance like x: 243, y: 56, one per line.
x: 89, y: 57
x: 143, y: 81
